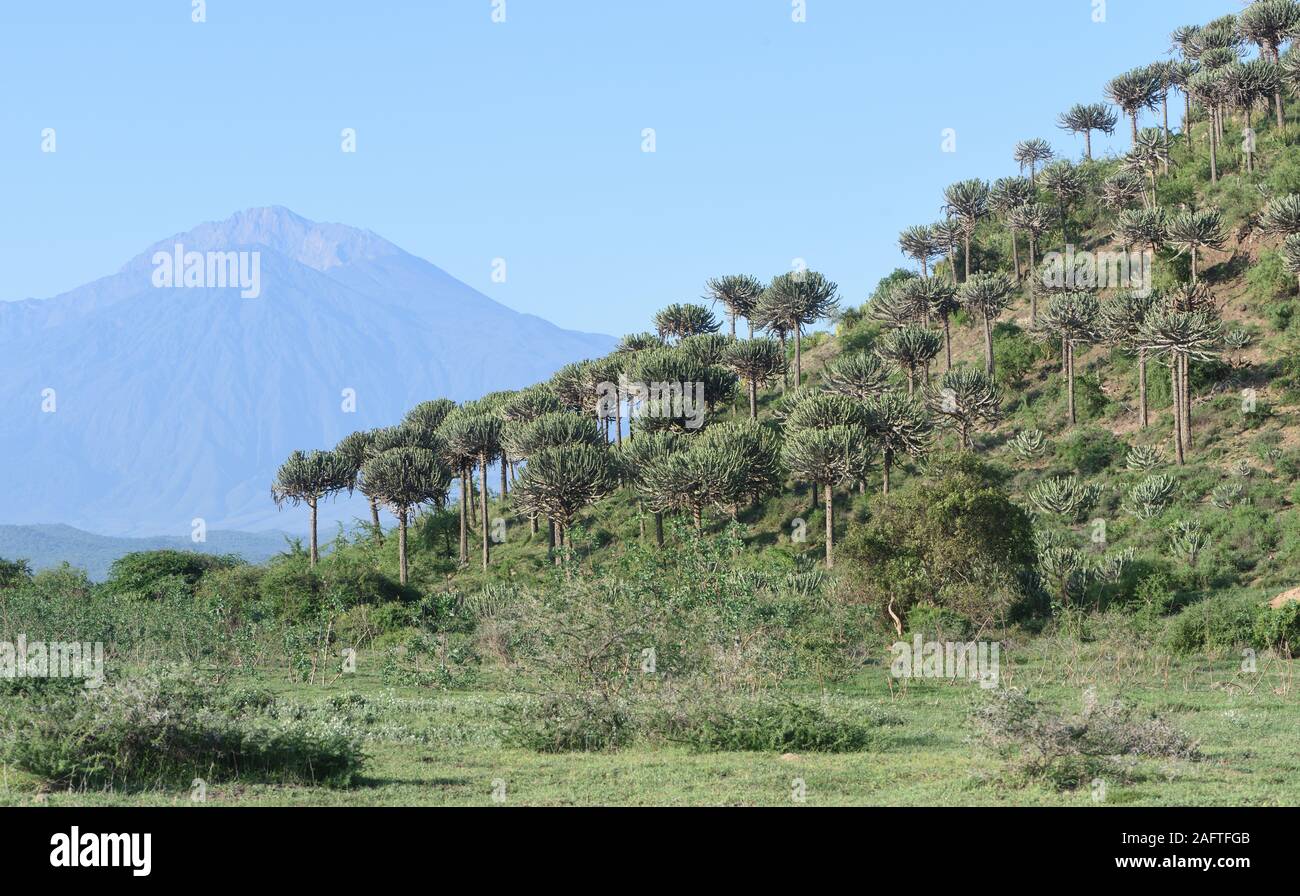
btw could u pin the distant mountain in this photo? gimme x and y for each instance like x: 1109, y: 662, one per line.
x: 47, y: 546
x: 134, y: 409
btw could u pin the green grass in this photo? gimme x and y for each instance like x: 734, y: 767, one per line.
x: 444, y: 748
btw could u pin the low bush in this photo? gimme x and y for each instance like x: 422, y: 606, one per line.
x: 1068, y: 751
x: 769, y: 726
x: 167, y: 730
x: 1279, y: 629
x: 1214, y: 625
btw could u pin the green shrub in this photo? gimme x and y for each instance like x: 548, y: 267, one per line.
x: 1016, y: 352
x: 1267, y: 279
x: 770, y: 726
x: 166, y: 730
x: 570, y: 723
x: 1213, y: 625
x: 1279, y: 629
x: 150, y: 574
x: 1091, y: 450
x: 291, y: 589
x: 955, y: 537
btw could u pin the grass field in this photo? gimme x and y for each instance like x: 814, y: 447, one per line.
x: 434, y: 748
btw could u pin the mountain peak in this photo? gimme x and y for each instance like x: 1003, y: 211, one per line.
x: 317, y: 245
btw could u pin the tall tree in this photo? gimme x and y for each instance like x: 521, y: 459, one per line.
x: 859, y: 375
x: 637, y: 462
x: 896, y: 425
x: 911, y: 349
x: 941, y: 297
x: 1035, y: 219
x: 679, y: 320
x: 796, y: 300
x: 1030, y: 154
x: 919, y: 244
x: 1072, y: 318
x: 1133, y: 92
x: 1193, y: 230
x: 1181, y: 336
x: 559, y: 482
x: 1268, y: 23
x: 757, y: 362
x: 827, y: 457
x: 987, y: 295
x: 1149, y: 156
x: 1064, y: 181
x: 948, y: 238
x: 964, y: 399
x: 402, y: 479
x: 1007, y: 195
x: 305, y: 478
x: 968, y: 202
x: 475, y: 437
x: 738, y: 294
x: 1084, y: 118
x: 1120, y: 323
x: 354, y: 449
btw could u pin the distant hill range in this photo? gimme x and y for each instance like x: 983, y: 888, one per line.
x: 134, y: 406
x: 48, y: 546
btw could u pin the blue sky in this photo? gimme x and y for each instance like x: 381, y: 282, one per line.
x: 775, y: 140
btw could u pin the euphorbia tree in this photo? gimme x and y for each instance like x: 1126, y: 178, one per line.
x: 305, y: 478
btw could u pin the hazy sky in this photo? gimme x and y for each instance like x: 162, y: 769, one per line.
x: 522, y: 140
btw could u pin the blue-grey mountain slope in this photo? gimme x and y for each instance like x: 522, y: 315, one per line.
x: 176, y: 404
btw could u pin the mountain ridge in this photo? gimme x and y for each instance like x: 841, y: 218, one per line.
x: 175, y: 404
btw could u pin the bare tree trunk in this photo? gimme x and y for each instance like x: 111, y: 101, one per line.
x: 1176, y: 392
x: 315, y: 554
x: 785, y: 372
x: 966, y: 244
x: 753, y: 400
x: 505, y: 491
x: 659, y: 528
x: 1069, y: 377
x: 464, y: 516
x: 947, y: 343
x: 1164, y: 111
x: 1142, y: 387
x: 830, y: 527
x: 483, y: 461
x: 886, y: 462
x: 401, y: 546
x: 1187, y: 404
x: 1015, y: 255
x: 374, y: 521
x: 697, y: 516
x: 988, y: 344
x: 1087, y: 143
x: 1214, y: 155
x: 798, y: 357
